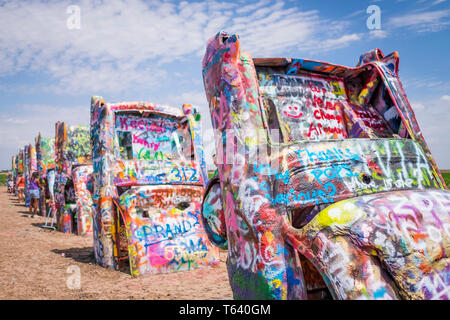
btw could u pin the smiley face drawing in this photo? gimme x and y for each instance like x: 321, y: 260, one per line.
x: 292, y: 112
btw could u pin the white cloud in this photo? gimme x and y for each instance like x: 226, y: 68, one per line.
x: 22, y: 127
x: 378, y: 34
x: 433, y: 116
x: 437, y: 2
x: 356, y: 13
x: 428, y: 21
x: 122, y: 44
x: 445, y: 98
x: 340, y: 42
x: 429, y: 83
x: 417, y: 106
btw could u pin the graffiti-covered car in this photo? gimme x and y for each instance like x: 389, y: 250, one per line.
x: 45, y: 158
x: 326, y: 187
x: 14, y: 170
x: 73, y: 181
x: 19, y: 169
x: 30, y: 166
x: 149, y: 176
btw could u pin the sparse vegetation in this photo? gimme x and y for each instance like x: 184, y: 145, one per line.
x: 211, y: 173
x: 3, y: 178
x: 446, y: 176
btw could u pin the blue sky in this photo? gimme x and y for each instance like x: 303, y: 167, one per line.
x: 152, y: 51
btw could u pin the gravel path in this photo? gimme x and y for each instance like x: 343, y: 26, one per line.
x: 36, y: 264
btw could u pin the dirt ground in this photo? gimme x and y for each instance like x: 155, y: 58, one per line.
x: 34, y: 265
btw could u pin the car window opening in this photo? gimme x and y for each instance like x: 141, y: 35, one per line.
x: 309, y: 106
x: 152, y: 137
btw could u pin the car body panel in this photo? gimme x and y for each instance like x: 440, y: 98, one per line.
x: 45, y: 154
x: 82, y: 181
x: 30, y: 166
x: 19, y: 168
x: 407, y: 232
x: 72, y: 150
x: 142, y: 152
x: 170, y: 237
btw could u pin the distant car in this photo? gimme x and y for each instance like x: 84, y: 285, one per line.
x: 326, y: 187
x: 149, y: 176
x: 19, y: 168
x: 73, y: 181
x: 30, y: 166
x: 13, y: 172
x: 45, y: 157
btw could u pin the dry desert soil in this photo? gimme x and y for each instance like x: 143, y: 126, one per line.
x: 36, y: 264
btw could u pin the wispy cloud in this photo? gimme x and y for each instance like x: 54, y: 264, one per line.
x: 429, y: 83
x: 438, y: 2
x: 340, y: 42
x: 21, y: 127
x: 428, y: 21
x: 434, y: 132
x: 123, y: 44
x: 355, y: 13
x: 378, y: 34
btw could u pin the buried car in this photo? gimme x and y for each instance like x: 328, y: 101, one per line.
x: 73, y: 179
x: 19, y: 169
x: 15, y: 172
x: 149, y: 176
x: 30, y: 166
x: 45, y: 157
x: 325, y: 187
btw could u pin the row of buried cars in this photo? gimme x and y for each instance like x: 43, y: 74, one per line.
x: 325, y: 187
x: 133, y: 180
